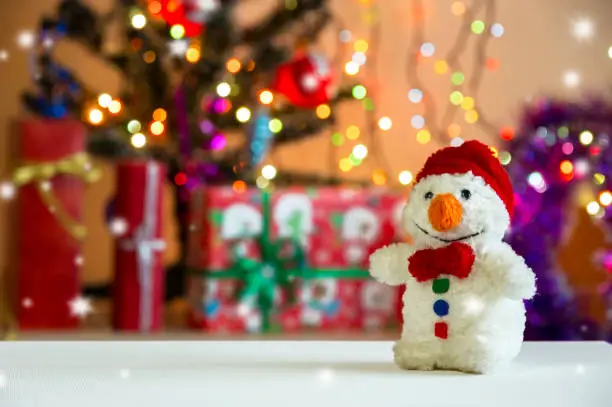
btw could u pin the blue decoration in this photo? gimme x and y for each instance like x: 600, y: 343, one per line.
x: 330, y: 308
x: 441, y: 308
x: 57, y: 88
x: 260, y: 137
x: 212, y: 308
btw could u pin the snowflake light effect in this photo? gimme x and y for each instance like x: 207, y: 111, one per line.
x: 326, y: 375
x: 583, y: 29
x: 80, y: 307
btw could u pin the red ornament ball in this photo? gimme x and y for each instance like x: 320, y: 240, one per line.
x: 191, y: 14
x: 306, y: 80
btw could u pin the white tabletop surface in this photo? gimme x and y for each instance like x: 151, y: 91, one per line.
x: 289, y: 374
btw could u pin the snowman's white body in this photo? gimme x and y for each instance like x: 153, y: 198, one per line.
x: 486, y: 317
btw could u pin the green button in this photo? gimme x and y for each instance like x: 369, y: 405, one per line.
x: 441, y: 285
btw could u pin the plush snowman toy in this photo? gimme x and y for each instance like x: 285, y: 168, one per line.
x: 463, y: 304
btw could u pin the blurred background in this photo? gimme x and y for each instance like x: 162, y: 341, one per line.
x: 199, y: 168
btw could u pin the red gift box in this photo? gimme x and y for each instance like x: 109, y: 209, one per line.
x: 49, y: 231
x: 224, y: 219
x: 345, y: 227
x: 139, y: 270
x: 337, y: 229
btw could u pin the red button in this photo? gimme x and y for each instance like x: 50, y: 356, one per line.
x: 441, y: 330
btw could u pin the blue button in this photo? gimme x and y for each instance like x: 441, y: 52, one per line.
x: 441, y: 308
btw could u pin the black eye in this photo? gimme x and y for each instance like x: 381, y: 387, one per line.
x: 429, y: 195
x: 466, y: 194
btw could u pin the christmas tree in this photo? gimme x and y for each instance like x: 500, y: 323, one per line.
x: 191, y: 76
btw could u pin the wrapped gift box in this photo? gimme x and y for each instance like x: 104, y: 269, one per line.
x: 314, y: 246
x: 138, y: 289
x: 51, y: 182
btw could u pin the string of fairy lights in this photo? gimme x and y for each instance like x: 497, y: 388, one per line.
x: 365, y: 50
x: 463, y: 90
x: 420, y: 53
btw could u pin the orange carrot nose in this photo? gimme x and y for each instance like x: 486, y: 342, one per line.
x: 445, y: 212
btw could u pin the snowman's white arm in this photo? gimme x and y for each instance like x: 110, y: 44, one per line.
x: 514, y: 278
x: 389, y: 265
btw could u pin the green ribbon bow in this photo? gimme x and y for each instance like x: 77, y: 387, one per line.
x: 282, y: 261
x: 277, y: 268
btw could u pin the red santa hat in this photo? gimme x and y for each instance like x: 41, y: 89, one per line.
x: 476, y: 157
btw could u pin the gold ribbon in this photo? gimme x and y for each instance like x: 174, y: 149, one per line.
x: 10, y: 323
x: 78, y: 165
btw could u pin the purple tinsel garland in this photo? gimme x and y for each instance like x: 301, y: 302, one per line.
x: 550, y: 135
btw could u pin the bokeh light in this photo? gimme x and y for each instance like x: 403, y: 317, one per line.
x: 352, y: 132
x: 359, y: 92
x: 275, y: 125
x: 506, y: 133
x: 427, y: 49
x: 323, y: 111
x: 454, y: 130
x: 115, y: 107
x: 417, y: 121
x: 337, y: 139
x: 160, y: 115
x: 605, y: 198
x: 134, y: 126
x: 456, y: 98
x: 177, y: 31
x: 266, y: 97
x: 351, y: 68
x: 224, y: 89
x: 243, y: 114
x: 138, y: 140
x: 139, y: 21
x: 192, y: 55
x: 457, y: 78
x: 157, y: 128
x: 379, y: 177
x: 415, y: 95
x: 385, y: 123
x: 405, y: 177
x: 104, y: 100
x: 233, y: 65
x: 345, y: 165
x: 239, y: 187
x: 361, y: 46
x: 471, y: 116
x: 268, y: 172
x: 441, y: 67
x: 423, y: 136
x: 566, y: 167
x: 360, y: 151
x: 95, y: 116
x: 497, y: 30
x: 586, y: 137
x: 478, y: 27
x: 458, y: 8
x: 593, y: 208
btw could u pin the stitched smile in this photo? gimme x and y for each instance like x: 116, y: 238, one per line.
x: 449, y: 240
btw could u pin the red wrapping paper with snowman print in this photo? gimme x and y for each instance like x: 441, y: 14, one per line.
x: 138, y: 291
x: 337, y: 230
